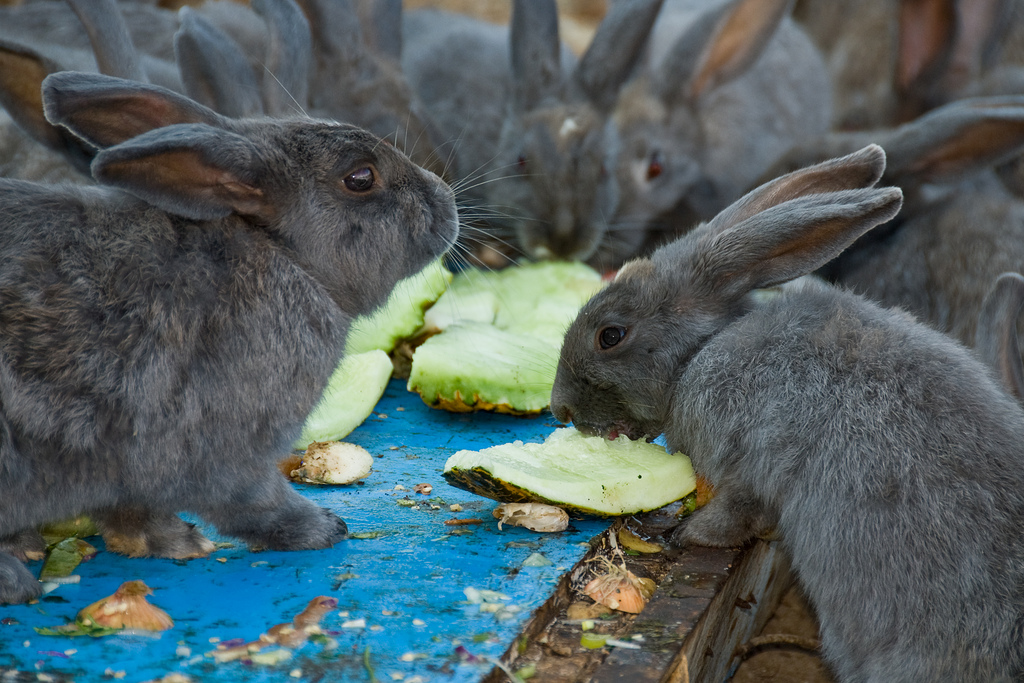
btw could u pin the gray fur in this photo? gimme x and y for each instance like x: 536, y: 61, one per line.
x: 728, y: 88
x: 996, y: 338
x: 163, y: 336
x: 885, y: 457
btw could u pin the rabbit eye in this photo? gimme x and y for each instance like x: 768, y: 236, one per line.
x: 654, y: 166
x: 521, y: 161
x: 610, y: 336
x: 361, y: 180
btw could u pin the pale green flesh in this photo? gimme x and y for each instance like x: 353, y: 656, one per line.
x: 480, y: 363
x: 508, y: 365
x: 351, y: 394
x: 617, y: 477
x: 402, y: 315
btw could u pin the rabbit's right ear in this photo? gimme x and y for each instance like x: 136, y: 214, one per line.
x: 381, y: 23
x: 535, y: 52
x: 720, y: 45
x: 105, y: 111
x: 996, y: 335
x: 214, y: 69
x: 790, y: 226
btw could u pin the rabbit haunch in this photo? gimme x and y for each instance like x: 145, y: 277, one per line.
x: 162, y: 341
x: 884, y: 455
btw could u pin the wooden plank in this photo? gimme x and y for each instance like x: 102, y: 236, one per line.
x: 708, y: 602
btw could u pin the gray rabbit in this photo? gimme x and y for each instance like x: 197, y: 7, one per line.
x: 727, y: 89
x: 884, y: 455
x: 532, y: 142
x: 164, y: 335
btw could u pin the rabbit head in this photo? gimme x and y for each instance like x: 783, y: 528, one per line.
x: 555, y: 155
x: 331, y: 193
x: 630, y: 342
x: 726, y: 90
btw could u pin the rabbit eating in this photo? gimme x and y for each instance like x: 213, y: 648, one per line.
x: 164, y: 335
x: 884, y: 455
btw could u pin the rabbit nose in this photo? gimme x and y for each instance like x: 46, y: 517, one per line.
x: 562, y: 413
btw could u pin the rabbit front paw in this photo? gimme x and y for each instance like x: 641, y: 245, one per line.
x: 298, y: 525
x: 728, y: 520
x: 17, y: 585
x: 143, y: 533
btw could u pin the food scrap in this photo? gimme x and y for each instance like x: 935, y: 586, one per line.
x: 533, y: 516
x: 127, y: 608
x: 620, y: 589
x: 287, y: 636
x: 333, y: 462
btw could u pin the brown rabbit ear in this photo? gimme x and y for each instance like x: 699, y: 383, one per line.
x: 996, y: 336
x: 22, y: 71
x: 191, y: 170
x: 719, y: 46
x: 960, y: 137
x: 790, y: 226
x: 860, y: 169
x: 944, y: 46
x: 105, y: 111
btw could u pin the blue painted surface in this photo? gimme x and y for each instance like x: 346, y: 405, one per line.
x: 416, y: 571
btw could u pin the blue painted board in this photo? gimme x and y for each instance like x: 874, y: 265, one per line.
x: 407, y: 584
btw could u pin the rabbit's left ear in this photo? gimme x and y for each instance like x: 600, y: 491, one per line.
x: 105, y: 111
x: 190, y: 170
x: 995, y: 339
x: 615, y: 50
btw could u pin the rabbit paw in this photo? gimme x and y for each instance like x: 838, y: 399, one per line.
x: 725, y: 522
x: 17, y: 585
x: 144, y: 533
x: 316, y: 528
x: 24, y: 546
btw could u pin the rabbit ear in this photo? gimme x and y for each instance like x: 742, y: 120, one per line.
x: 996, y: 336
x: 191, y: 170
x: 790, y: 226
x: 381, y: 22
x: 335, y: 28
x: 111, y: 42
x: 535, y: 52
x: 105, y: 111
x: 289, y: 56
x: 213, y: 68
x: 22, y: 71
x: 615, y: 50
x: 943, y: 46
x: 860, y: 169
x: 963, y: 136
x: 721, y: 45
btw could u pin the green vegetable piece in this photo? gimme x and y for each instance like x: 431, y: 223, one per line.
x: 80, y: 527
x: 501, y: 332
x: 402, y: 314
x: 350, y: 396
x: 582, y: 474
x: 472, y: 366
x: 64, y: 557
x: 593, y: 641
x: 526, y: 672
